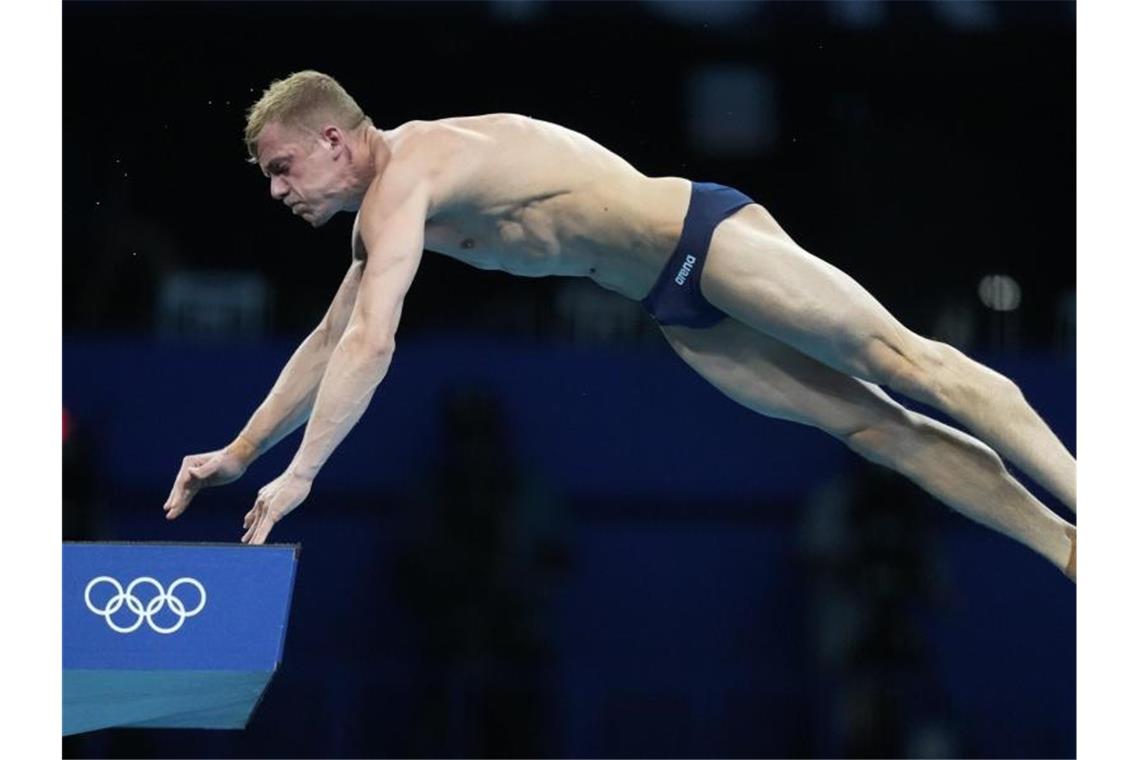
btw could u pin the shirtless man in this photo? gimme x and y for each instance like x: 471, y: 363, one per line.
x: 767, y: 323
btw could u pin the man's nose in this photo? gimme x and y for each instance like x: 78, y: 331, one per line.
x: 277, y: 188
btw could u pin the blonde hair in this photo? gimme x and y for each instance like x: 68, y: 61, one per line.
x: 306, y: 99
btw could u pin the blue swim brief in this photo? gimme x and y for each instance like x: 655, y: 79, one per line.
x: 676, y: 296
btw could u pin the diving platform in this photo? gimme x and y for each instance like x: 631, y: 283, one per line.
x: 171, y: 635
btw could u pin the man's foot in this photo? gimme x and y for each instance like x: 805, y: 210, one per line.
x: 1071, y: 566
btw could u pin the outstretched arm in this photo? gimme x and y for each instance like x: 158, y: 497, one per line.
x: 285, y: 408
x: 392, y: 218
x: 290, y: 401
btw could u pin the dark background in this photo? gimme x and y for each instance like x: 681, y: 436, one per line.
x: 548, y: 537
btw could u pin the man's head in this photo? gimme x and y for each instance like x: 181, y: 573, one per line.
x: 311, y: 139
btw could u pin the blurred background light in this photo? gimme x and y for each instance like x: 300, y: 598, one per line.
x: 1000, y: 292
x: 704, y: 13
x: 859, y: 14
x: 967, y: 14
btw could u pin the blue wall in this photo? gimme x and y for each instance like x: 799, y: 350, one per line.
x: 679, y: 621
x: 619, y: 424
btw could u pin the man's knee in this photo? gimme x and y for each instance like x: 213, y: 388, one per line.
x: 936, y: 374
x: 914, y: 442
x: 943, y: 377
x: 879, y: 443
x: 915, y: 366
x: 885, y: 440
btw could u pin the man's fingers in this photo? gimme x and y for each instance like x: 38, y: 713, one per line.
x: 249, y: 531
x: 263, y: 529
x: 176, y: 489
x: 273, y: 503
x: 251, y: 521
x: 170, y: 497
x: 263, y: 522
x: 195, y: 474
x: 251, y: 515
x: 174, y: 502
x: 189, y: 491
x: 257, y: 529
x: 191, y: 479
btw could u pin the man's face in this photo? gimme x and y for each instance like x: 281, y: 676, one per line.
x: 305, y: 171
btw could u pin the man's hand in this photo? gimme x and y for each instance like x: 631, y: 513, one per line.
x: 275, y: 500
x: 213, y: 468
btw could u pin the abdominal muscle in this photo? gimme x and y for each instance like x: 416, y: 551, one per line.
x: 535, y: 199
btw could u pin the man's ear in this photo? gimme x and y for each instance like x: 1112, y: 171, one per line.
x: 333, y: 135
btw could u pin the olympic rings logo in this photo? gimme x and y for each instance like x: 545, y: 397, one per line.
x: 164, y: 598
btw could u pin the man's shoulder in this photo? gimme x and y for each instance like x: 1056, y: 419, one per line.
x: 422, y: 146
x: 445, y: 154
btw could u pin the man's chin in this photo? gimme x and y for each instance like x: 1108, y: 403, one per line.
x: 313, y: 220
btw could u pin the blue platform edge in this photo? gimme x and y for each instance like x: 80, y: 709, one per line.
x: 147, y: 661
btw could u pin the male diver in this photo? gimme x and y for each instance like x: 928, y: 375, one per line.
x: 770, y: 325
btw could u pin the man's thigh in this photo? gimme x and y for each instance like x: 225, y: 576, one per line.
x: 759, y: 276
x: 777, y: 380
